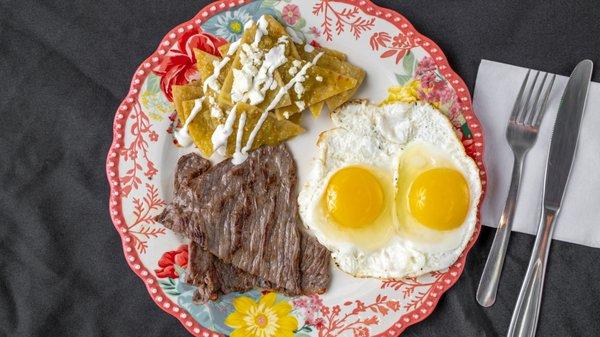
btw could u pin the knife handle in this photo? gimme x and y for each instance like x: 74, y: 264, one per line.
x: 527, y: 310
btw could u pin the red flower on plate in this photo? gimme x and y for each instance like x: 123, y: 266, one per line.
x: 170, y: 260
x: 290, y: 14
x: 179, y: 64
x: 153, y: 136
x: 361, y: 332
x: 315, y: 31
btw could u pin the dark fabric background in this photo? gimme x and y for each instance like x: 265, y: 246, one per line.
x: 66, y: 65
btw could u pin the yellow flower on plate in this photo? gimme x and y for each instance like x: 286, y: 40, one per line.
x: 406, y: 93
x: 262, y: 318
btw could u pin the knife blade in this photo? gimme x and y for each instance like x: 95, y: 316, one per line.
x: 563, y: 145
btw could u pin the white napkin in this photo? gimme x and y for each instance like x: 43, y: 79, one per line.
x: 496, y: 88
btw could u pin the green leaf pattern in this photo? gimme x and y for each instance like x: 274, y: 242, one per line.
x: 169, y: 286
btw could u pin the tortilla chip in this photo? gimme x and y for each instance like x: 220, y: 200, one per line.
x: 354, y: 72
x: 335, y: 53
x: 333, y: 62
x: 204, y: 63
x: 183, y: 93
x: 316, y: 108
x: 316, y: 91
x: 202, y: 127
x: 296, y: 119
x: 272, y: 132
x: 223, y: 49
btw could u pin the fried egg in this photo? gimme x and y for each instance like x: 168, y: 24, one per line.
x: 391, y: 192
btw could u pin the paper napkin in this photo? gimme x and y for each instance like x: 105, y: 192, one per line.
x: 578, y: 222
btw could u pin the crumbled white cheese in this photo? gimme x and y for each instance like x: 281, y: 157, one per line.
x: 275, y: 57
x: 299, y: 89
x: 282, y: 39
x: 250, y: 54
x: 249, y: 68
x: 243, y: 78
x: 215, y: 110
x: 293, y: 71
x: 286, y: 114
x: 297, y: 63
x: 242, y: 82
x: 319, y: 78
x: 301, y: 105
x: 309, y: 48
x: 254, y: 97
x: 263, y: 79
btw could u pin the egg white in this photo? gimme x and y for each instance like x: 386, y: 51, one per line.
x: 374, y: 136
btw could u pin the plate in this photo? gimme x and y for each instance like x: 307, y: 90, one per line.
x: 142, y: 158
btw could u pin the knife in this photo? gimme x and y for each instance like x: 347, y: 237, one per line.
x: 560, y: 160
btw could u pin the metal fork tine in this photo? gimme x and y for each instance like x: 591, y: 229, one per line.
x: 535, y: 106
x: 516, y: 107
x: 542, y: 109
x: 523, y: 112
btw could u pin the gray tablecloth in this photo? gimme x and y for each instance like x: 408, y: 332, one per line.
x: 66, y: 65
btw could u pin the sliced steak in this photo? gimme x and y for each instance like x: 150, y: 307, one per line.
x: 188, y: 168
x: 207, y: 272
x: 247, y: 215
x: 314, y: 265
x: 245, y: 221
x: 176, y: 214
x: 214, y: 277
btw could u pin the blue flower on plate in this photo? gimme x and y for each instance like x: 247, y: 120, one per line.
x: 230, y: 24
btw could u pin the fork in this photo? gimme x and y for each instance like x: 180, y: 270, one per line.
x: 521, y: 134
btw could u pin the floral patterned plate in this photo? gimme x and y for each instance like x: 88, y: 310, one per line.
x: 141, y: 162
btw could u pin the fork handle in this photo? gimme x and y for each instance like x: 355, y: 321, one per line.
x: 527, y: 310
x: 488, y: 285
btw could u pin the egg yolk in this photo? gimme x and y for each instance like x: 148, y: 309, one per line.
x: 439, y: 198
x: 354, y: 197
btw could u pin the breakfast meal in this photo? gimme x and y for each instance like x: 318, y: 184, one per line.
x: 391, y: 192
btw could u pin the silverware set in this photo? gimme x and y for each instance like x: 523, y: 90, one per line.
x: 521, y: 134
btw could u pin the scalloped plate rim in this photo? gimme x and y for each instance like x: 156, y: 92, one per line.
x: 210, y: 10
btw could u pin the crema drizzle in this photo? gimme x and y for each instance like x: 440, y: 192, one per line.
x: 222, y: 132
x: 211, y: 81
x: 243, y: 153
x: 182, y: 135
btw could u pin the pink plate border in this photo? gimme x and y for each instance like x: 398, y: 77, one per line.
x: 112, y: 162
